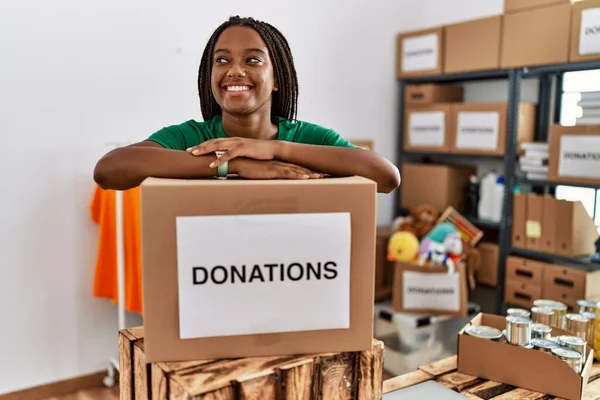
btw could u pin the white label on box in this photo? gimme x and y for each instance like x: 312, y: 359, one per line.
x: 252, y: 274
x: 423, y: 291
x: 420, y: 53
x: 589, y: 35
x: 477, y: 130
x: 427, y: 128
x: 579, y: 156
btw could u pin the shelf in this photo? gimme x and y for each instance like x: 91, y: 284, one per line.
x: 418, y: 154
x: 483, y: 223
x: 462, y: 77
x: 580, y: 263
x: 560, y: 68
x: 555, y: 183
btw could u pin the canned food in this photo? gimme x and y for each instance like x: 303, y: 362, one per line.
x: 484, y: 332
x: 578, y: 325
x: 546, y: 303
x: 597, y: 334
x: 544, y: 345
x: 519, y: 312
x: 560, y: 312
x: 543, y: 315
x: 518, y: 330
x: 586, y: 306
x: 540, y: 331
x: 572, y: 357
x: 575, y: 343
x: 592, y: 326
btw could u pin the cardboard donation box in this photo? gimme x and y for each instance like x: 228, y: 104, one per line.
x: 427, y: 128
x: 480, y: 128
x: 575, y: 154
x: 585, y: 31
x: 518, y: 366
x: 420, y: 53
x: 517, y: 5
x: 536, y: 36
x: 431, y: 93
x: 430, y: 290
x: 245, y: 268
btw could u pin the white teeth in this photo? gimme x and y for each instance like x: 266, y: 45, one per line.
x: 237, y: 88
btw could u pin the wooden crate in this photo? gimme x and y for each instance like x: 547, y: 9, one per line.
x: 304, y: 377
x: 445, y: 373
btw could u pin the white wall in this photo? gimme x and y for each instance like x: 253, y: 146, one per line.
x: 76, y: 74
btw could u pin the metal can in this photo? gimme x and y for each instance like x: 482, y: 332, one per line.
x: 543, y: 315
x: 586, y: 306
x: 518, y: 330
x: 592, y: 326
x: 572, y: 357
x: 578, y: 325
x: 560, y: 312
x: 545, y: 303
x: 544, y: 345
x: 519, y: 312
x: 484, y: 332
x: 540, y: 331
x: 575, y: 343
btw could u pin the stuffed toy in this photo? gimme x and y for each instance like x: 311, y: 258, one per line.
x: 421, y: 220
x: 403, y: 246
x: 442, y: 246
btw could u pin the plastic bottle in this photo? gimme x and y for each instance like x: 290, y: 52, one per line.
x: 486, y: 192
x: 497, y: 199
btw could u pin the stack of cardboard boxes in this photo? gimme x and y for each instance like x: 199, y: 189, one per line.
x: 529, y: 33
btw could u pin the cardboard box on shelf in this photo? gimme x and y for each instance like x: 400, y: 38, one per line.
x: 427, y: 128
x: 431, y: 93
x: 574, y: 154
x: 245, y: 268
x: 429, y: 290
x: 537, y: 36
x: 576, y: 230
x: 568, y: 285
x: 550, y: 228
x: 420, y: 53
x: 585, y: 31
x: 533, y: 223
x: 473, y: 45
x: 521, y: 294
x: 480, y: 128
x: 438, y: 185
x: 519, y: 269
x: 519, y: 366
x: 519, y: 5
x: 519, y: 216
x: 488, y: 271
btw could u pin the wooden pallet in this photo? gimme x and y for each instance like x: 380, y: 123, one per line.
x: 305, y: 377
x: 444, y: 372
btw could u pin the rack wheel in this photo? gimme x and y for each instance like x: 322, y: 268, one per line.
x: 109, y: 381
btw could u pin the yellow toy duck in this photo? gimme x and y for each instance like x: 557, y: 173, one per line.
x: 403, y: 246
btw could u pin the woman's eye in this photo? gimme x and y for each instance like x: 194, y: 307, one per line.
x: 254, y: 60
x: 220, y: 60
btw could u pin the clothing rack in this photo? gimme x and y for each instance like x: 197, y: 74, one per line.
x: 113, y: 363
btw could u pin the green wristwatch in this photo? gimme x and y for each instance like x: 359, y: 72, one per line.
x: 223, y: 168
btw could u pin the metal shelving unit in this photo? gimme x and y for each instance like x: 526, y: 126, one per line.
x: 548, y: 109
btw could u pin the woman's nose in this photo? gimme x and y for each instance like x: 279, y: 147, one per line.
x: 236, y: 70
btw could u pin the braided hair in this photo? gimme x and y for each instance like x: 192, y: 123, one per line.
x: 284, y: 102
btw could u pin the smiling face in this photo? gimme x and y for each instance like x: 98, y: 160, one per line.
x: 242, y: 77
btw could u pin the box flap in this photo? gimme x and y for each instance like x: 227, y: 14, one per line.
x: 352, y: 180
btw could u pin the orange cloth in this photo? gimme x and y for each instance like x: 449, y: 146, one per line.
x: 103, y: 213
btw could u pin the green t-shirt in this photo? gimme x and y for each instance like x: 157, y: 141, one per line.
x: 192, y: 133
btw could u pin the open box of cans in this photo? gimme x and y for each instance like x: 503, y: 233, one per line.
x: 546, y: 352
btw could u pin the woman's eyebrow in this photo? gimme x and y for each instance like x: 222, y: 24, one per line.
x: 253, y: 49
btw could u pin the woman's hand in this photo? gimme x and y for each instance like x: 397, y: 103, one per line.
x: 256, y: 169
x: 237, y: 147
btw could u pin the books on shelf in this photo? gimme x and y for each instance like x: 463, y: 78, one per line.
x: 534, y: 162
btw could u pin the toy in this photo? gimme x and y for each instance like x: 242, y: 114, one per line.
x: 442, y: 246
x: 402, y: 246
x: 420, y: 221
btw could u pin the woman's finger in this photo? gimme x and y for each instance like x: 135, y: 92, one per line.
x: 227, y: 156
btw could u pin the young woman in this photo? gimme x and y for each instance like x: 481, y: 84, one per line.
x: 248, y: 92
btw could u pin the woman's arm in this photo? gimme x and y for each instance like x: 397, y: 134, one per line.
x: 126, y: 167
x: 342, y: 161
